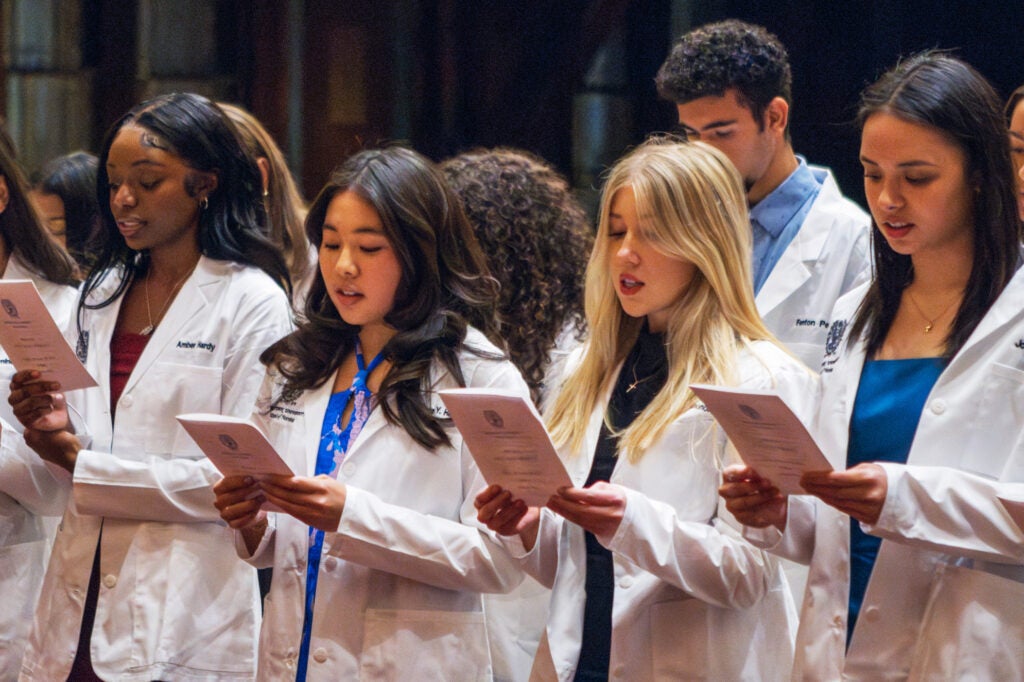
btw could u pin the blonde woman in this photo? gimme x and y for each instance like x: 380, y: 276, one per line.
x: 650, y: 578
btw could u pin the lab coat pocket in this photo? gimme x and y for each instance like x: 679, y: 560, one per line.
x: 401, y: 644
x: 973, y: 628
x: 1001, y: 401
x: 176, y: 389
x: 679, y: 639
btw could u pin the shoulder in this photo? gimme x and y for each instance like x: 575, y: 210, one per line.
x: 244, y: 285
x: 830, y: 202
x: 484, y: 364
x: 761, y: 362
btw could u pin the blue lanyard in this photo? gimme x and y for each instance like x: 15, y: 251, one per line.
x: 334, y: 442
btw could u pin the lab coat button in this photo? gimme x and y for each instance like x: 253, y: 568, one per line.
x: 620, y: 671
x: 126, y: 401
x: 330, y: 563
x: 626, y: 582
x: 938, y: 406
x: 109, y: 580
x: 871, y: 613
x: 838, y: 621
x: 320, y: 655
x: 348, y: 468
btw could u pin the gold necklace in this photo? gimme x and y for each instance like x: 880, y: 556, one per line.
x: 148, y: 329
x: 931, y: 322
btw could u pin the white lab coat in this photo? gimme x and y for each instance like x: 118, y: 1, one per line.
x: 27, y: 493
x: 946, y: 596
x: 174, y: 602
x: 829, y: 256
x: 692, y: 599
x: 398, y: 592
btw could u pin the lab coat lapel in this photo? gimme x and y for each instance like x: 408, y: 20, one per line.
x: 1005, y: 310
x: 315, y: 409
x: 202, y: 286
x: 792, y: 269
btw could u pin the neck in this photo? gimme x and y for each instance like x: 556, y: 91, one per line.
x: 4, y: 255
x: 782, y: 165
x: 374, y: 338
x: 169, y: 268
x: 942, y: 273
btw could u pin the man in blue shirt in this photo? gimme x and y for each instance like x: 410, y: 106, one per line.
x: 731, y: 83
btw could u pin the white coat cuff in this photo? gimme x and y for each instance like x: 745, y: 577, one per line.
x: 629, y: 514
x: 892, y: 515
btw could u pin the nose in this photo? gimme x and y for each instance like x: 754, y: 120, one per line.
x: 345, y: 266
x: 890, y: 197
x: 123, y: 196
x: 627, y: 250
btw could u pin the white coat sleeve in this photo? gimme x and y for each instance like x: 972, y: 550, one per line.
x: 433, y: 550
x: 27, y: 479
x: 710, y: 561
x: 796, y: 543
x: 179, y: 489
x: 951, y: 511
x: 541, y: 561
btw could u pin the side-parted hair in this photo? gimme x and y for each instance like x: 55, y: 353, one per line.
x: 72, y: 178
x: 20, y: 227
x: 947, y: 95
x: 731, y: 54
x: 286, y: 209
x: 691, y: 204
x: 444, y: 288
x: 536, y: 238
x: 231, y: 228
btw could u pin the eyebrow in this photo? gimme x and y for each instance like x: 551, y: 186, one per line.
x: 140, y: 162
x: 904, y: 164
x: 710, y: 126
x: 359, y: 230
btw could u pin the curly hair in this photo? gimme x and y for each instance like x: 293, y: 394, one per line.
x: 726, y: 55
x: 537, y: 239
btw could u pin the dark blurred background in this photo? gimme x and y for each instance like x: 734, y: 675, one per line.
x: 571, y: 80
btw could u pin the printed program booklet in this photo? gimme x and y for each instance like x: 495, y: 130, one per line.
x: 32, y: 340
x: 507, y: 438
x: 767, y: 435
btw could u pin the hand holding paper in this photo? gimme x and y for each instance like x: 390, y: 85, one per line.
x: 767, y: 435
x: 507, y: 439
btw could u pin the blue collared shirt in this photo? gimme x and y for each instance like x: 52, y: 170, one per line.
x: 777, y: 218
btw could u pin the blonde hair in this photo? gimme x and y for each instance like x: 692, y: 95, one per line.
x: 691, y: 203
x: 286, y: 209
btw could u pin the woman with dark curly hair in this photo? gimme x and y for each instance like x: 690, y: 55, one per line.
x: 536, y: 238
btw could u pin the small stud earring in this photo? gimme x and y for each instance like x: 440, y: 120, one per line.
x: 204, y: 203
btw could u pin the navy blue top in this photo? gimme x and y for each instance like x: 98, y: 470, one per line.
x: 890, y: 398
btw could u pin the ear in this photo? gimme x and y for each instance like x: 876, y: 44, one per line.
x: 776, y: 115
x: 4, y: 194
x: 264, y: 166
x: 206, y: 184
